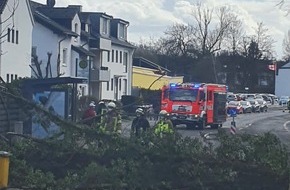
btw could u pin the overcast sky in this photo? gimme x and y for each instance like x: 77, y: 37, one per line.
x: 150, y: 18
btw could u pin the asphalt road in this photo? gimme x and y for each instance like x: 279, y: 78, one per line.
x: 275, y: 121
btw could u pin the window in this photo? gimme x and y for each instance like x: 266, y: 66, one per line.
x: 64, y: 52
x: 77, y: 62
x: 117, y: 54
x: 125, y: 86
x: 104, y: 26
x: 11, y: 77
x: 7, y: 77
x: 76, y: 28
x: 121, y: 56
x: 17, y: 36
x: 125, y: 63
x: 112, y: 84
x: 122, y: 31
x: 87, y: 28
x: 16, y: 76
x: 12, y: 34
x: 8, y: 34
x: 108, y: 86
x: 120, y: 84
x: 113, y: 55
x: 108, y: 58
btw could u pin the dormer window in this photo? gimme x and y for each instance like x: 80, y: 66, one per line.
x: 87, y: 28
x: 76, y: 28
x: 104, y: 24
x: 122, y: 31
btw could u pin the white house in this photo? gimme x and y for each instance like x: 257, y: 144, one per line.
x: 58, y: 32
x: 282, y: 83
x: 111, y: 74
x: 83, y: 44
x: 16, y: 38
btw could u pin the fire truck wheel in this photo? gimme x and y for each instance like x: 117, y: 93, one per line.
x: 201, y: 124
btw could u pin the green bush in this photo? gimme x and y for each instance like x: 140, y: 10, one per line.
x: 85, y: 159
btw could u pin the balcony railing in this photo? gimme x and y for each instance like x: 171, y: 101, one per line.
x: 100, y: 75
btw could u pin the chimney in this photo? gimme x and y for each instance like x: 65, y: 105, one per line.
x: 50, y: 3
x: 78, y: 7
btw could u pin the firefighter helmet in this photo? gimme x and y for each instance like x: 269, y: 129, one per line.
x: 140, y: 111
x: 163, y: 112
x: 111, y: 105
x: 92, y: 104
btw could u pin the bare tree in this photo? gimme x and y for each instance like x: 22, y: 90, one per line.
x: 284, y: 5
x: 286, y: 46
x: 210, y: 35
x: 234, y: 37
x: 261, y: 43
x: 204, y: 36
x: 178, y: 41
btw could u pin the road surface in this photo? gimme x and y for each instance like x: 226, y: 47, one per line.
x: 275, y: 121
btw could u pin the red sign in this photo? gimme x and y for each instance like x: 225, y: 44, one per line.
x: 272, y: 67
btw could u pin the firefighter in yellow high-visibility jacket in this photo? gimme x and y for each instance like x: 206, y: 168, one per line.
x: 164, y: 125
x: 112, y: 121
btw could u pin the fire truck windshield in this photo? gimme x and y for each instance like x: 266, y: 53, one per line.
x: 180, y: 94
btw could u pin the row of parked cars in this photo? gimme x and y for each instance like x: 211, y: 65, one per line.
x: 250, y: 103
x: 247, y: 106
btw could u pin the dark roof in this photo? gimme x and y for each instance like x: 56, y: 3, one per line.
x: 2, y: 5
x: 58, y: 12
x: 35, y: 5
x: 44, y: 20
x: 120, y: 21
x: 87, y: 35
x: 82, y: 50
x: 142, y: 62
x: 100, y: 14
x: 122, y: 43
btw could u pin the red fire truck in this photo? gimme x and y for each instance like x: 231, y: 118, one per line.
x: 195, y: 104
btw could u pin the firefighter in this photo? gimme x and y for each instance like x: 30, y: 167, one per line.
x: 89, y: 114
x: 140, y: 124
x: 101, y: 111
x: 288, y: 105
x: 112, y: 121
x: 164, y: 125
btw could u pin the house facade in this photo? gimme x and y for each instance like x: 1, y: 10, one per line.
x: 112, y: 67
x: 16, y: 38
x: 92, y: 45
x: 282, y: 85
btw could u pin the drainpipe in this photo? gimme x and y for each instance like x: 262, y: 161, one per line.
x: 58, y: 56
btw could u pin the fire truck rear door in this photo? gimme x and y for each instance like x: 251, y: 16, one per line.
x: 219, y: 107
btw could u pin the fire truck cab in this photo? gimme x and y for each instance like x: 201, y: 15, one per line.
x: 195, y: 104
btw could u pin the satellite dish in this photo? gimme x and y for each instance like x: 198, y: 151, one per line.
x: 50, y: 3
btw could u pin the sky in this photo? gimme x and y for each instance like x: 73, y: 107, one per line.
x: 149, y: 19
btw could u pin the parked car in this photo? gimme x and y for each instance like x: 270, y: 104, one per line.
x: 283, y: 100
x: 247, y: 107
x: 231, y: 97
x: 263, y: 105
x: 236, y: 106
x: 255, y: 105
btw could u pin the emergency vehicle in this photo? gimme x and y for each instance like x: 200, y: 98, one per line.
x: 195, y: 104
